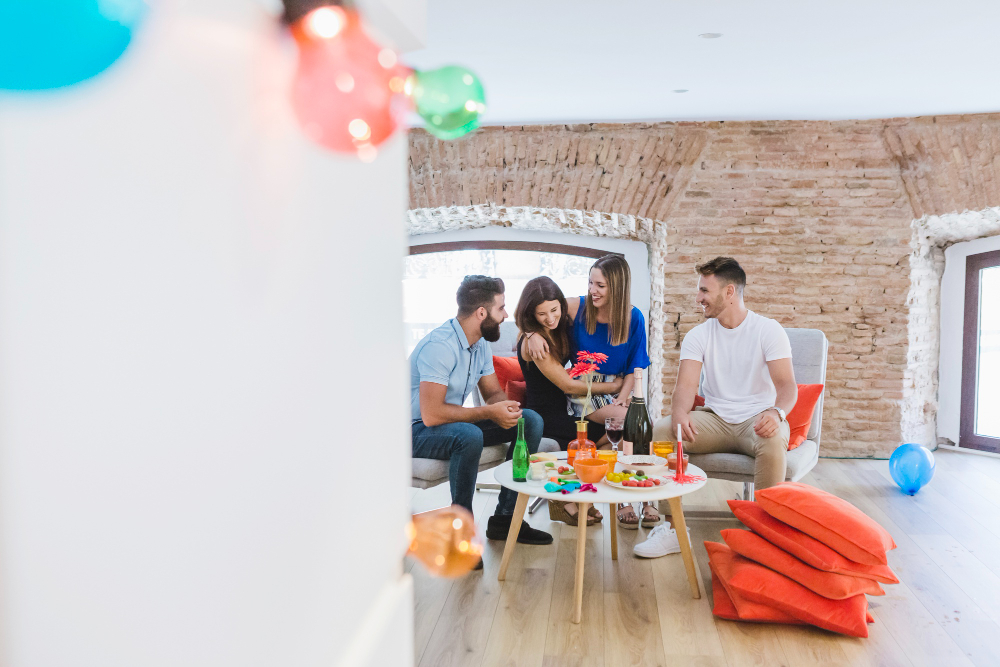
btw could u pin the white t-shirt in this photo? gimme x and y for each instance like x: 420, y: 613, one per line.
x: 736, y: 383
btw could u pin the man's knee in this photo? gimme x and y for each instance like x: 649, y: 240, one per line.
x: 533, y: 427
x: 468, y: 438
x: 663, y: 428
x: 773, y: 445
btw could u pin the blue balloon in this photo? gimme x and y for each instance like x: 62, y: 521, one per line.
x: 47, y: 44
x: 911, y: 466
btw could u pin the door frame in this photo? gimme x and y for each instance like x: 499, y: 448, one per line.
x: 967, y: 436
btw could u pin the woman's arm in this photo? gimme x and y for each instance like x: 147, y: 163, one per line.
x: 625, y: 395
x: 551, y: 369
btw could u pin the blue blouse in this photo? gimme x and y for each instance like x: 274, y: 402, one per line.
x: 622, y: 359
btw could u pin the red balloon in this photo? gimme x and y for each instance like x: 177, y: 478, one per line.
x: 347, y: 89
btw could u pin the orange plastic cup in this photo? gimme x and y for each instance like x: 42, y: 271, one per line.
x: 609, y: 455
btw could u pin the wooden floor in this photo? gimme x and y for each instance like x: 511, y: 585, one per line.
x: 946, y: 611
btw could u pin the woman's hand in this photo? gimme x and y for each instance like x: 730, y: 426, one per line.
x: 622, y: 400
x: 537, y: 347
x: 617, y: 384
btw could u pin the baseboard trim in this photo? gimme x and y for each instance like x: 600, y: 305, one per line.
x: 968, y: 450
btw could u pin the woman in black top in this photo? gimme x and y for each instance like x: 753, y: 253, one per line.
x: 541, y: 311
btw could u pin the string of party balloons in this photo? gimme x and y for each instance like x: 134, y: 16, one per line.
x: 349, y: 94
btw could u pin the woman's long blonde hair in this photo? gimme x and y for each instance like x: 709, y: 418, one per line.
x: 619, y: 281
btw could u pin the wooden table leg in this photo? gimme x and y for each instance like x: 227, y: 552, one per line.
x: 581, y: 552
x: 613, y: 518
x: 677, y: 514
x: 515, y: 528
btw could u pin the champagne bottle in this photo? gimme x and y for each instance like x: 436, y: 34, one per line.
x: 638, y: 429
x: 520, y: 454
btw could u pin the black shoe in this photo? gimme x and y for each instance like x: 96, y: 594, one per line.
x: 479, y: 565
x: 498, y: 527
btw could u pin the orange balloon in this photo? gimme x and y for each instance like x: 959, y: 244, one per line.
x: 347, y: 91
x: 445, y: 541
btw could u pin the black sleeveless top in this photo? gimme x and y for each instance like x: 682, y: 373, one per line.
x: 541, y: 395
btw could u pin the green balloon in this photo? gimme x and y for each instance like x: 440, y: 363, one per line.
x: 450, y: 100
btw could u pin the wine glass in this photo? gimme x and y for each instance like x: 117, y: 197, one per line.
x: 615, y: 428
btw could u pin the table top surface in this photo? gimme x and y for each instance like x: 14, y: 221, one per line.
x: 605, y: 493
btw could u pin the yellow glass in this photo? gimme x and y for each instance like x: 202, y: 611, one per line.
x: 609, y: 455
x: 662, y: 448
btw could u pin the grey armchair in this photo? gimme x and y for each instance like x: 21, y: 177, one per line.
x: 809, y: 352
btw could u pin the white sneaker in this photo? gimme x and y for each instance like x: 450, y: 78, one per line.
x: 662, y: 541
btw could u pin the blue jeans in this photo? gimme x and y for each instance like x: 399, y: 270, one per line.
x: 462, y: 444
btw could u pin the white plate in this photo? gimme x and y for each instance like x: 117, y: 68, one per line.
x: 658, y: 464
x: 619, y: 485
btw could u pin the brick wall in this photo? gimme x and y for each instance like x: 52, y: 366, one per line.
x: 819, y: 213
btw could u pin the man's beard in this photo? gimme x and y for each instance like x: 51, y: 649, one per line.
x: 490, y: 329
x: 713, y: 309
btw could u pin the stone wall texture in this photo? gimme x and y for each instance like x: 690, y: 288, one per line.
x: 821, y: 214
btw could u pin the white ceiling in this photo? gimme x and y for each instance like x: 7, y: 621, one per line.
x: 553, y: 61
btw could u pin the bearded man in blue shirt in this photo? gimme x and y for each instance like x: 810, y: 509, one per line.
x: 445, y: 366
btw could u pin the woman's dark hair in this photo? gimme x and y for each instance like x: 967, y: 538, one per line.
x: 477, y: 292
x: 537, y: 291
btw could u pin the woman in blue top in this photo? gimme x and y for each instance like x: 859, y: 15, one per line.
x: 605, y: 321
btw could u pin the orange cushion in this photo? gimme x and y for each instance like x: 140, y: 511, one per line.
x: 803, y: 547
x: 725, y: 601
x: 507, y: 369
x: 516, y: 391
x: 759, y: 584
x: 833, y: 521
x: 801, y: 416
x: 828, y: 584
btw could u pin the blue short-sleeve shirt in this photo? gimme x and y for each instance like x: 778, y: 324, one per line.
x: 622, y: 359
x: 444, y: 356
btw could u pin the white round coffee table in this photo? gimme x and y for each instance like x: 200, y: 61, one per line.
x: 670, y: 491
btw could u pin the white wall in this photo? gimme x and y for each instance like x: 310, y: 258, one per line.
x: 952, y: 322
x: 199, y: 345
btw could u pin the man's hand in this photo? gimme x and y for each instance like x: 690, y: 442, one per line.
x: 505, y: 413
x: 767, y: 424
x: 688, y: 430
x: 537, y: 347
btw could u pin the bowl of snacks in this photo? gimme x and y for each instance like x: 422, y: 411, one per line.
x: 591, y: 471
x: 648, y: 464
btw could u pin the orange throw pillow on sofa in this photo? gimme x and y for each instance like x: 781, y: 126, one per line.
x: 507, y: 369
x: 833, y: 521
x: 516, y: 391
x: 759, y: 584
x: 803, y: 547
x: 801, y: 416
x: 828, y: 584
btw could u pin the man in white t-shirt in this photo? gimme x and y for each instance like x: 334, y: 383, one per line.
x: 748, y: 385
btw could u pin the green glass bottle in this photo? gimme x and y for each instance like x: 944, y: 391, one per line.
x: 520, y: 454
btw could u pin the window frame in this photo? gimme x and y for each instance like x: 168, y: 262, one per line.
x: 967, y: 436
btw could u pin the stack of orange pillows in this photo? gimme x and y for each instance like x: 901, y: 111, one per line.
x: 808, y: 558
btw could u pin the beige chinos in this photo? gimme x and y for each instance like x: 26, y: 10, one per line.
x: 715, y: 435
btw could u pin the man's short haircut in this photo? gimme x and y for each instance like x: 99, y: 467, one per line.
x: 727, y: 270
x: 475, y: 292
